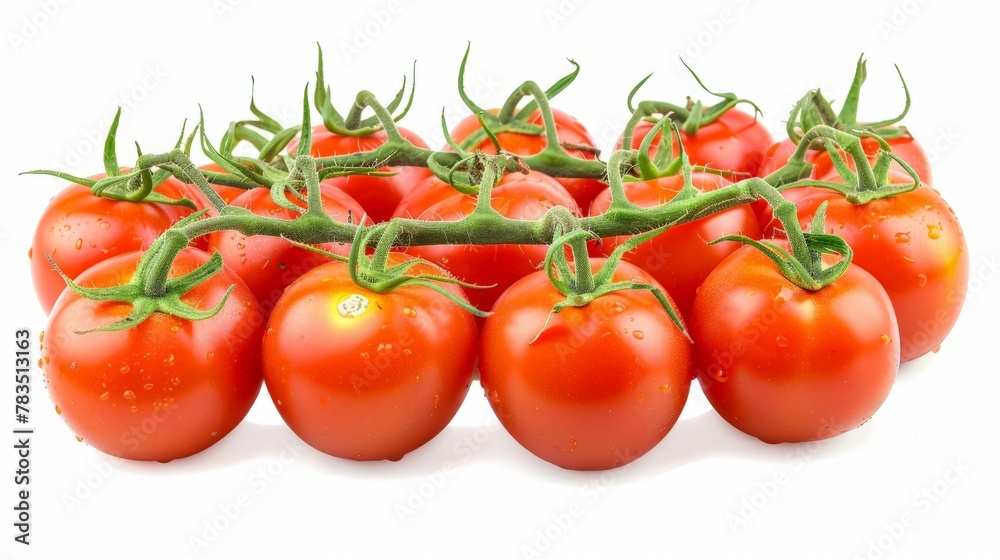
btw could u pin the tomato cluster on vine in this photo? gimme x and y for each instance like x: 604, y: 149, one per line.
x: 365, y: 279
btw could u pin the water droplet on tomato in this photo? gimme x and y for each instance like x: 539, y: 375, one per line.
x: 444, y: 260
x: 572, y: 444
x: 175, y: 328
x: 29, y: 252
x: 240, y: 246
x: 933, y: 231
x: 147, y: 386
x: 384, y: 349
x: 407, y: 351
x: 79, y: 439
x: 364, y: 355
x: 617, y: 307
x: 58, y: 410
x: 67, y: 227
x: 243, y: 259
x: 79, y: 244
x: 664, y: 388
x: 921, y: 280
x: 638, y: 335
x: 781, y: 341
x: 104, y: 225
x: 157, y: 405
x: 210, y: 356
x: 129, y: 395
x: 409, y: 312
x: 105, y: 396
x: 72, y: 365
x: 437, y: 401
x: 640, y: 398
x: 124, y: 369
x: 902, y: 237
x: 134, y: 409
x: 886, y: 339
x: 213, y: 434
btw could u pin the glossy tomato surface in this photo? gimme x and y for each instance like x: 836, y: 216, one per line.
x: 785, y: 364
x: 596, y: 388
x: 362, y: 375
x: 162, y: 390
x: 914, y: 245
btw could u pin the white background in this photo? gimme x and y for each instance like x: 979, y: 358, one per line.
x: 66, y: 70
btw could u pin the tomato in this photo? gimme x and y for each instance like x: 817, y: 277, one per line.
x: 362, y: 375
x: 378, y: 195
x: 165, y: 389
x: 571, y: 133
x: 680, y: 258
x: 777, y: 157
x: 908, y: 149
x: 599, y: 387
x: 79, y: 230
x: 914, y: 245
x: 785, y: 364
x: 269, y: 264
x: 517, y: 196
x: 735, y: 142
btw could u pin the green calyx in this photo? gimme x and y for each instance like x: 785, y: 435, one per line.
x: 691, y: 116
x: 133, y: 186
x: 814, y: 109
x: 807, y: 273
x: 864, y: 183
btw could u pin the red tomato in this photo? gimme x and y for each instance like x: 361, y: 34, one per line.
x: 367, y: 376
x: 269, y: 264
x: 785, y: 364
x: 165, y: 389
x: 680, y: 258
x: 914, y: 245
x: 777, y: 157
x: 905, y: 147
x: 571, y: 133
x: 735, y: 141
x: 79, y: 230
x: 600, y: 386
x: 517, y: 196
x: 378, y: 195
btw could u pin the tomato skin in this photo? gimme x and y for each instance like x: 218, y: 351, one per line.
x: 905, y: 147
x: 378, y: 195
x: 372, y: 386
x: 600, y: 386
x: 269, y: 264
x: 680, y: 258
x: 517, y: 196
x: 79, y: 230
x: 165, y: 389
x: 570, y: 132
x: 736, y: 141
x: 787, y: 365
x: 914, y: 245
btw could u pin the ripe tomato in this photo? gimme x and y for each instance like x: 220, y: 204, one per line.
x: 784, y: 364
x: 165, y: 389
x: 517, y: 196
x: 599, y: 387
x: 914, y: 245
x: 571, y: 133
x: 680, y: 258
x: 269, y: 264
x: 777, y: 157
x: 735, y: 142
x: 362, y: 375
x: 378, y: 195
x: 79, y: 230
x: 908, y: 149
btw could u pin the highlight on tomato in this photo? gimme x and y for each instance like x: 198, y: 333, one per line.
x: 364, y: 375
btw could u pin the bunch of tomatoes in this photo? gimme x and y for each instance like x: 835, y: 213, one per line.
x: 370, y: 374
